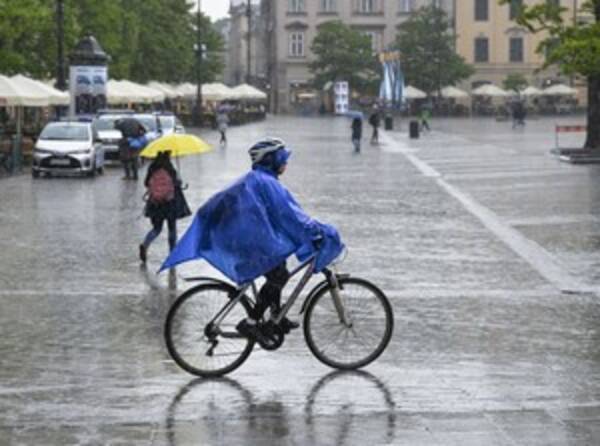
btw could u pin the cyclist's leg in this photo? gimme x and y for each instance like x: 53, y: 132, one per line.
x: 270, y: 293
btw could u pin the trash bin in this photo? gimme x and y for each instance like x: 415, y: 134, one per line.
x: 389, y: 122
x: 413, y: 129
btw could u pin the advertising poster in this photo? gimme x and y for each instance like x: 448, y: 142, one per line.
x: 87, y: 85
x: 342, y: 100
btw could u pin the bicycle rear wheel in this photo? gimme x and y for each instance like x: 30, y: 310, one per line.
x: 200, y: 350
x: 359, y: 343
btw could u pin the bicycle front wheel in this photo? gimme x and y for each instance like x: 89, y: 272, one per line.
x: 364, y: 336
x: 196, y: 346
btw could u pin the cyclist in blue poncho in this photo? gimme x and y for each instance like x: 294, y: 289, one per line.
x: 250, y: 228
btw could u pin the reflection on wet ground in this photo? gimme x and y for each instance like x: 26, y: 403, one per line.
x: 472, y: 231
x: 222, y: 411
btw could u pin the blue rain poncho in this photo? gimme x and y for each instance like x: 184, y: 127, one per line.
x: 251, y: 227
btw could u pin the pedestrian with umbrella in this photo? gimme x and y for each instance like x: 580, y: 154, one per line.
x: 165, y: 200
x: 132, y: 140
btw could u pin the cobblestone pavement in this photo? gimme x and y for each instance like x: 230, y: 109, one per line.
x: 485, y: 244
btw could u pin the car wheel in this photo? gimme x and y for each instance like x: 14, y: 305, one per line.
x: 101, y: 170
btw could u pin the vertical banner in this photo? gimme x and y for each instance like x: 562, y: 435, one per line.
x: 342, y: 99
x: 87, y: 86
x: 391, y: 90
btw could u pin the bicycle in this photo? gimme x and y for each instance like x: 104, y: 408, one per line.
x: 348, y: 323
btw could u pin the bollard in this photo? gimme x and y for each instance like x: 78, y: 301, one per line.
x: 413, y: 129
x: 389, y: 122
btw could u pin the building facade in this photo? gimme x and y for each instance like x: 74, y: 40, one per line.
x: 289, y: 27
x: 489, y: 38
x: 238, y: 70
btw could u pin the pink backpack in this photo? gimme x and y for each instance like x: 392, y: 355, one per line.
x: 160, y: 187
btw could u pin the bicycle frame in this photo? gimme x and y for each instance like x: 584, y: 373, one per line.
x: 309, y: 266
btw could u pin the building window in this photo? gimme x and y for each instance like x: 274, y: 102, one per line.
x: 516, y: 49
x: 482, y: 49
x: 296, y: 6
x: 437, y: 3
x: 376, y: 40
x: 406, y: 6
x: 296, y: 48
x: 515, y: 8
x: 366, y: 6
x: 555, y: 3
x: 482, y: 12
x: 328, y: 6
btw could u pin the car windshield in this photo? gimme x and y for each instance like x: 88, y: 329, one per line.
x: 66, y: 132
x: 106, y: 122
x: 147, y: 121
x: 167, y: 122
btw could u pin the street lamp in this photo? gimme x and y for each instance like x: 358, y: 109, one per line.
x: 248, y: 49
x: 199, y: 54
x: 60, y: 37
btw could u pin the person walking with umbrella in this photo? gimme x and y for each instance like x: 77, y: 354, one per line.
x: 165, y: 198
x: 132, y: 139
x: 165, y: 201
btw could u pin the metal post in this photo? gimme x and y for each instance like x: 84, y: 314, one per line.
x: 248, y: 49
x: 199, y: 55
x: 60, y: 37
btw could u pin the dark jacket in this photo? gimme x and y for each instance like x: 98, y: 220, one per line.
x: 357, y: 128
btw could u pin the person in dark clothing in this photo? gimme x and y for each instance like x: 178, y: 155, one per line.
x: 356, y: 133
x: 375, y: 121
x: 269, y: 154
x: 129, y: 128
x: 165, y: 201
x: 518, y: 114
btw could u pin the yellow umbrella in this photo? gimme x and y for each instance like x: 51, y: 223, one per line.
x: 178, y: 144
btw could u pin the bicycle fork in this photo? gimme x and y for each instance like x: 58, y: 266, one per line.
x: 337, y: 300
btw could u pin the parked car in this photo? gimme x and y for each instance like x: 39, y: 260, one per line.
x: 104, y: 125
x: 151, y: 123
x: 169, y: 123
x: 68, y: 147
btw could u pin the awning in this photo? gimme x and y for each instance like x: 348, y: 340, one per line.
x: 245, y: 91
x: 16, y: 94
x: 55, y: 97
x: 490, y: 90
x: 559, y: 90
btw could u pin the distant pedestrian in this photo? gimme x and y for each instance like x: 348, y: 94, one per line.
x: 518, y: 114
x: 375, y: 121
x: 356, y: 126
x: 132, y: 140
x: 165, y: 201
x: 222, y: 124
x: 425, y: 115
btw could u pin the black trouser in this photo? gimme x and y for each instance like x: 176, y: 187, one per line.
x: 223, y: 136
x: 270, y: 293
x: 375, y: 136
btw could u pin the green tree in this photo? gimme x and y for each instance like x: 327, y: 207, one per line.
x: 426, y: 46
x: 573, y: 47
x: 145, y: 39
x: 343, y: 53
x: 515, y: 82
x: 25, y: 29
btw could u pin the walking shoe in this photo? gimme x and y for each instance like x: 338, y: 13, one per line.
x: 249, y: 330
x: 143, y: 253
x: 288, y: 325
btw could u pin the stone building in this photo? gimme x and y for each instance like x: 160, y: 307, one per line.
x: 237, y: 70
x: 489, y: 38
x: 289, y: 26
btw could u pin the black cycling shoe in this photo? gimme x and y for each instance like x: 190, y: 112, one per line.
x: 288, y: 325
x: 250, y: 331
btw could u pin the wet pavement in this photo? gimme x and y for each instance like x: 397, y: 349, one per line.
x: 485, y: 244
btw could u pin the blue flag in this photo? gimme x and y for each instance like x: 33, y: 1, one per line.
x: 251, y: 227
